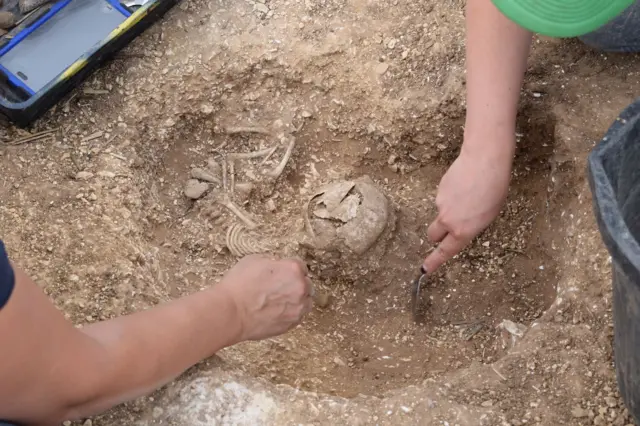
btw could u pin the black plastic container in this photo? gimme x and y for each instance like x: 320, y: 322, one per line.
x: 614, y: 178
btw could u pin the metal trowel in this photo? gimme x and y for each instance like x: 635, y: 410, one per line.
x: 416, y: 293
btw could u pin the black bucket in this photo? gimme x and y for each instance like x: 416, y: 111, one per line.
x: 614, y: 179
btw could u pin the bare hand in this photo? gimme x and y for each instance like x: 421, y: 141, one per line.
x: 470, y: 197
x: 271, y: 295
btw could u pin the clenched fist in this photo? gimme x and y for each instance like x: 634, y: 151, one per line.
x: 271, y: 296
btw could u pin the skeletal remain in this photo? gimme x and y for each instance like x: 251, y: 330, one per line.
x: 246, y: 129
x: 232, y: 174
x: 201, y: 174
x: 241, y: 242
x: 273, y: 150
x: 224, y: 174
x: 7, y: 20
x: 360, y: 223
x: 275, y: 173
x: 250, y: 155
x: 223, y: 199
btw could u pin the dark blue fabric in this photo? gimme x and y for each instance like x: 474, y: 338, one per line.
x: 621, y: 34
x: 7, y: 279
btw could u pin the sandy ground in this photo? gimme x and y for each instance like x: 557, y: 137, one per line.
x: 98, y: 214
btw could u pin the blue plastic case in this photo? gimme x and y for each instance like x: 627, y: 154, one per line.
x: 59, y: 45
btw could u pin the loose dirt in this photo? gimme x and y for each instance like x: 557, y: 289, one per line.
x: 100, y: 219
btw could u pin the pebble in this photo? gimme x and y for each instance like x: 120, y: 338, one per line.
x: 262, y: 8
x: 338, y: 361
x: 271, y: 205
x: 579, y: 412
x: 244, y: 190
x: 195, y: 189
x: 381, y: 68
x: 611, y: 401
x: 305, y: 114
x: 392, y: 43
x: 157, y: 412
x: 84, y: 175
x: 87, y: 422
x: 214, y: 167
x: 7, y: 19
x: 106, y: 174
x: 323, y: 299
x: 487, y: 404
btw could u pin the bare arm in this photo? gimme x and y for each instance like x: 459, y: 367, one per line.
x: 474, y: 188
x: 54, y: 371
x: 497, y: 51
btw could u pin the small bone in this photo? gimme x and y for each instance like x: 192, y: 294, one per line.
x: 200, y: 174
x: 242, y: 215
x: 275, y: 173
x: 224, y: 174
x: 249, y: 155
x: 246, y: 129
x: 241, y: 243
x: 232, y: 174
x: 274, y: 149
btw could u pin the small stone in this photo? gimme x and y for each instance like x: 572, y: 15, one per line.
x: 106, y: 174
x: 394, y: 168
x: 487, y: 404
x: 157, y: 412
x: 392, y: 43
x: 194, y: 189
x: 305, y: 114
x: 381, y: 68
x: 260, y: 7
x: 87, y: 422
x: 579, y: 413
x: 84, y: 175
x: 611, y: 401
x: 66, y: 423
x: 405, y: 54
x: 392, y: 159
x: 214, y: 167
x: 323, y: 299
x: 599, y: 421
x: 271, y: 205
x: 7, y: 20
x: 338, y: 361
x: 93, y: 197
x: 244, y: 189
